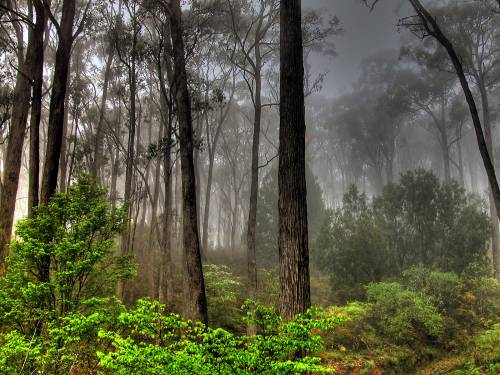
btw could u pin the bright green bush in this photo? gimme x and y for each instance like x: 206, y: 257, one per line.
x: 223, y: 290
x: 147, y: 341
x: 404, y: 316
x: 49, y: 320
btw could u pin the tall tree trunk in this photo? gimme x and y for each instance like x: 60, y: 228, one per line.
x: 165, y: 283
x: 12, y: 162
x: 254, y: 182
x: 98, y: 142
x: 63, y: 163
x: 165, y: 274
x: 212, y: 149
x: 295, y: 296
x: 36, y: 106
x: 129, y: 168
x: 208, y: 195
x: 194, y: 292
x: 57, y: 103
x: 56, y: 116
x: 445, y: 152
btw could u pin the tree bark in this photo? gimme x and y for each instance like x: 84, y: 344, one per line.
x: 57, y: 103
x: 295, y: 296
x: 254, y: 180
x: 194, y: 292
x: 55, y: 130
x: 12, y: 162
x: 36, y: 106
x: 129, y: 167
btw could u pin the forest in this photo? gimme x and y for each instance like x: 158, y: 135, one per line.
x: 249, y: 187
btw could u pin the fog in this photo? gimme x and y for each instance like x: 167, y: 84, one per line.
x: 197, y: 161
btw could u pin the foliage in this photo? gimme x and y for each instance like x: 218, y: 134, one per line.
x: 60, y: 274
x: 351, y: 247
x: 149, y: 342
x: 223, y: 293
x: 402, y: 315
x: 433, y: 224
x: 418, y: 221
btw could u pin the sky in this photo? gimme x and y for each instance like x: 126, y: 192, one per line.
x: 364, y: 34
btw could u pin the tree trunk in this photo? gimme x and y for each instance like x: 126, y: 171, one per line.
x: 194, y: 292
x: 100, y: 125
x: 56, y: 116
x: 165, y: 283
x: 129, y: 168
x: 12, y: 162
x: 63, y: 163
x: 445, y: 152
x: 254, y: 182
x: 36, y: 106
x: 57, y: 106
x: 295, y: 296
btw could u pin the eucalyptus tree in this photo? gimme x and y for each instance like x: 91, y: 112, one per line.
x: 425, y: 25
x: 28, y: 69
x: 253, y: 26
x: 295, y: 292
x: 194, y: 291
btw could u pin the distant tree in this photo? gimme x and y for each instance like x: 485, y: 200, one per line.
x: 425, y: 25
x: 418, y: 221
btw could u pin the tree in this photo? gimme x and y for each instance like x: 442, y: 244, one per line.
x: 418, y: 221
x: 67, y: 37
x: 268, y: 217
x: 28, y: 67
x: 295, y: 294
x: 425, y: 25
x: 195, y: 299
x: 36, y: 105
x: 254, y: 46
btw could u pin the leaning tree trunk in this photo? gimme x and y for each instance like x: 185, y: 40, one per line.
x: 195, y: 299
x: 12, y: 162
x: 434, y: 30
x: 56, y: 116
x: 295, y: 296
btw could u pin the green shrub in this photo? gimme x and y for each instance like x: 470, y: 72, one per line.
x: 223, y: 292
x: 404, y: 316
x: 417, y: 222
x: 150, y: 342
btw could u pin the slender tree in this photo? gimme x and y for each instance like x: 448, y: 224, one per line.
x: 295, y: 296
